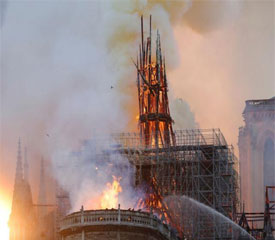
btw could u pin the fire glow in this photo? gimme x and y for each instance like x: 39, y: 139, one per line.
x: 109, y: 198
x: 5, y: 212
x: 155, y: 122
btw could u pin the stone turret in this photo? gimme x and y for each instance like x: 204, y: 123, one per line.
x: 257, y: 152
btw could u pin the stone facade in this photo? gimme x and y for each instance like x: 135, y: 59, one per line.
x: 256, y: 152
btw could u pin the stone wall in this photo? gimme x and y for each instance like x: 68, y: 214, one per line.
x: 114, y: 224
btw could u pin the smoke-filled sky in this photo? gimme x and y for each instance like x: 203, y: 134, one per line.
x: 66, y: 69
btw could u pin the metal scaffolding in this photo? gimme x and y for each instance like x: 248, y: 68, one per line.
x: 200, y: 165
x: 261, y: 225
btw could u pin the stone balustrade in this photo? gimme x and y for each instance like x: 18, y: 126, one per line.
x: 115, y: 217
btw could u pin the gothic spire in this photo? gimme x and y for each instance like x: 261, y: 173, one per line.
x: 22, y: 215
x: 42, y: 191
x: 19, y: 168
x: 26, y: 166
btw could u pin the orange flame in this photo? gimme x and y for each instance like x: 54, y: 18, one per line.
x: 109, y: 198
x: 4, y: 217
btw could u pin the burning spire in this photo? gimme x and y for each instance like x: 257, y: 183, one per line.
x: 155, y: 122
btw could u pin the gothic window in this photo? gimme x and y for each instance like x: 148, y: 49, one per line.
x: 269, y: 163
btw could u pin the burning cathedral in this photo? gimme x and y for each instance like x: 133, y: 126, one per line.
x: 164, y: 164
x: 195, y: 163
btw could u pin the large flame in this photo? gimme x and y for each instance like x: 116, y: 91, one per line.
x: 4, y: 217
x: 109, y: 197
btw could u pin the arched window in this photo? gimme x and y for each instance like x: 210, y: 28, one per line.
x: 269, y: 163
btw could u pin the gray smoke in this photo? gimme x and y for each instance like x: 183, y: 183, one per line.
x: 67, y: 74
x: 86, y: 174
x: 183, y: 117
x: 3, y: 9
x: 209, y: 15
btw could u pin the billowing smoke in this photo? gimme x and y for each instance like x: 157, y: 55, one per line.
x: 88, y: 173
x: 205, y: 16
x: 68, y: 75
x: 3, y: 7
x: 121, y: 30
x: 111, y: 104
x: 183, y: 116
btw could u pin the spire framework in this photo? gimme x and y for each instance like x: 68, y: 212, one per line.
x: 155, y: 122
